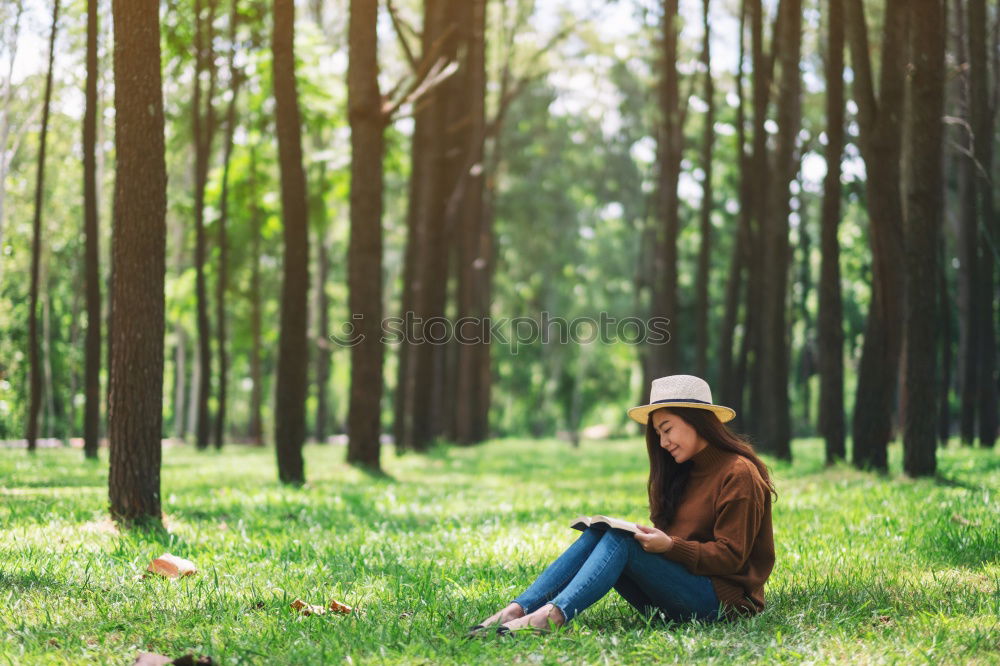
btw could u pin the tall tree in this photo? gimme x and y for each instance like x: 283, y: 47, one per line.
x: 322, y: 362
x: 731, y: 393
x: 203, y: 124
x: 968, y: 239
x: 36, y: 246
x: 221, y: 239
x: 982, y: 103
x: 469, y: 413
x: 923, y: 221
x: 831, y: 318
x: 92, y: 409
x: 256, y: 374
x: 662, y: 359
x: 707, y: 204
x: 880, y: 121
x: 289, y: 413
x: 773, y: 420
x: 364, y: 259
x: 428, y: 246
x: 138, y: 253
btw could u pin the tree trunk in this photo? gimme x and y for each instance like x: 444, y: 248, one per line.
x: 738, y: 259
x: 472, y: 261
x: 138, y: 251
x: 293, y: 351
x: 923, y: 224
x: 256, y: 376
x: 944, y: 303
x: 831, y: 318
x: 662, y: 359
x: 322, y: 346
x: 880, y: 121
x: 203, y: 124
x: 92, y: 277
x: 364, y: 261
x: 180, y: 381
x: 427, y: 244
x: 36, y: 246
x: 221, y: 240
x: 707, y: 204
x: 982, y: 114
x: 771, y: 354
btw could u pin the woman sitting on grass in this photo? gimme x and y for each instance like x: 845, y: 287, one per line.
x: 710, y: 550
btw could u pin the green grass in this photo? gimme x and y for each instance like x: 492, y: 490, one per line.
x: 870, y: 569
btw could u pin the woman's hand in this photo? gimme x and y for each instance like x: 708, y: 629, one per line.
x: 653, y: 540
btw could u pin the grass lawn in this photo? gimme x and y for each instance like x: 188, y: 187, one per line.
x: 869, y: 569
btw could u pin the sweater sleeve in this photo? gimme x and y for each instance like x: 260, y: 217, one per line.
x: 738, y: 513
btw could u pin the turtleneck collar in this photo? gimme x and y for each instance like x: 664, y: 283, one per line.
x: 708, y: 459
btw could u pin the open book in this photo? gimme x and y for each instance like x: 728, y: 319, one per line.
x: 603, y: 523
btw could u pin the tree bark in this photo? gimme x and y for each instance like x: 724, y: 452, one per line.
x: 662, y: 359
x: 982, y: 114
x: 730, y: 394
x: 92, y: 277
x: 772, y: 419
x: 322, y: 346
x: 203, y: 124
x: 364, y: 261
x: 831, y: 318
x: 256, y: 375
x: 923, y: 223
x: 707, y: 203
x: 293, y: 350
x: 221, y: 239
x: 880, y: 121
x: 428, y: 246
x: 34, y: 361
x: 138, y: 253
x: 472, y: 259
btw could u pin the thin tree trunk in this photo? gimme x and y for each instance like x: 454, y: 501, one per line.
x: 364, y: 260
x: 982, y: 114
x: 773, y: 419
x: 944, y: 302
x: 880, y: 120
x: 293, y: 350
x: 738, y: 259
x: 92, y: 277
x: 256, y: 375
x: 221, y: 240
x: 832, y: 425
x: 322, y: 346
x: 138, y: 251
x: 36, y: 245
x: 203, y: 122
x: 180, y: 381
x: 707, y: 203
x: 923, y: 224
x: 663, y: 358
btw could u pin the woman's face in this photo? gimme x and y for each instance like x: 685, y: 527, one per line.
x: 677, y: 437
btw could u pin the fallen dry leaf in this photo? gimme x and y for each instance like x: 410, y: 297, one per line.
x: 338, y: 607
x: 172, y: 566
x: 150, y: 659
x: 962, y: 520
x: 307, y: 609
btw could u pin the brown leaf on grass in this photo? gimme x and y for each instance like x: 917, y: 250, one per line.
x: 963, y: 521
x: 338, y: 607
x: 307, y: 609
x: 172, y: 566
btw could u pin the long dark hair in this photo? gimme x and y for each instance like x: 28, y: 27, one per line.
x: 668, y: 479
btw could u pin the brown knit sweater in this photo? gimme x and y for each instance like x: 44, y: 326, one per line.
x: 722, y: 529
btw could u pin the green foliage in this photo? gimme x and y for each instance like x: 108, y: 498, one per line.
x: 869, y: 568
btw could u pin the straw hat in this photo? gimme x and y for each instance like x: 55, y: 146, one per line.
x: 680, y: 391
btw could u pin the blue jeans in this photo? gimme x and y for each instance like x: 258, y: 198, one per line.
x: 600, y: 560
